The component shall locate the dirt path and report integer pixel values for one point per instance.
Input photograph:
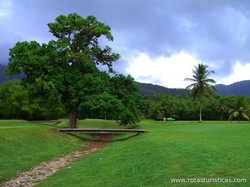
(45, 169)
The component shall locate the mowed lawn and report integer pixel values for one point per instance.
(170, 150)
(24, 144)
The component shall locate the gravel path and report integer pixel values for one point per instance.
(45, 169)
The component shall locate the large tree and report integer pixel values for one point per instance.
(202, 85)
(66, 67)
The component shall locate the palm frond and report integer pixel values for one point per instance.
(190, 79)
(189, 87)
(236, 114)
(245, 116)
(212, 81)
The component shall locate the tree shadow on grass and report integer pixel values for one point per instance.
(83, 137)
(115, 138)
(107, 137)
(120, 138)
(50, 123)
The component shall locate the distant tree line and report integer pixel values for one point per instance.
(16, 102)
(220, 107)
(115, 103)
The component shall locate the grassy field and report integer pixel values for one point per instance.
(169, 150)
(25, 144)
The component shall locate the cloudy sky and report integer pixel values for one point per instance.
(160, 41)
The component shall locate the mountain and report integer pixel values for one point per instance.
(147, 89)
(238, 88)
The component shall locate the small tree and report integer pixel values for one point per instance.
(221, 107)
(13, 100)
(240, 110)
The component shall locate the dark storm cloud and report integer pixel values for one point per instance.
(216, 32)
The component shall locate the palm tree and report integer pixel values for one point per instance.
(240, 110)
(221, 107)
(201, 86)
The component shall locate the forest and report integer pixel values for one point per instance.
(15, 104)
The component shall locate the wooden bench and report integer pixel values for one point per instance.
(102, 131)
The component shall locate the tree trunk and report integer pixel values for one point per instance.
(73, 117)
(200, 112)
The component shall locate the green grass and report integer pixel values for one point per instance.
(25, 144)
(169, 150)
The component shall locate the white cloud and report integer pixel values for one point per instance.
(240, 72)
(168, 71)
(5, 6)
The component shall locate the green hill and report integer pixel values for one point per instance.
(147, 89)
